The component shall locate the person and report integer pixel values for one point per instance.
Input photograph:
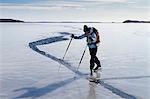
(93, 39)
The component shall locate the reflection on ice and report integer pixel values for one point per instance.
(92, 93)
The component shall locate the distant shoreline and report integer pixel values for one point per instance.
(10, 20)
(19, 21)
(135, 21)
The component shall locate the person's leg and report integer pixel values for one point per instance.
(91, 61)
(91, 65)
(96, 60)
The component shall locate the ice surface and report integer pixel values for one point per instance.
(30, 55)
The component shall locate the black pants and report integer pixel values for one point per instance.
(93, 59)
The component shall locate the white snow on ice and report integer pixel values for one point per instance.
(31, 53)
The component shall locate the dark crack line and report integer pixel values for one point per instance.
(116, 91)
(33, 45)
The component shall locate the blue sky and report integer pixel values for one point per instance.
(75, 10)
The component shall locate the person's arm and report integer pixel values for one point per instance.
(78, 37)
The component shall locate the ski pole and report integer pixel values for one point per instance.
(67, 48)
(81, 58)
(65, 52)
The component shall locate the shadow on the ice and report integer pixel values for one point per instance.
(33, 92)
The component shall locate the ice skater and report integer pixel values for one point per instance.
(93, 39)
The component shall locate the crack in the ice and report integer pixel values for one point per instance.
(35, 92)
(122, 78)
(116, 91)
(33, 46)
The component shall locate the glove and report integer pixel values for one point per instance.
(72, 35)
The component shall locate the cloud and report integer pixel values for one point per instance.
(108, 1)
(72, 4)
(41, 7)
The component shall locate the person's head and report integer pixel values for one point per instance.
(85, 28)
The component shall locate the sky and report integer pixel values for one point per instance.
(76, 10)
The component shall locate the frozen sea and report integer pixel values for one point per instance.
(31, 54)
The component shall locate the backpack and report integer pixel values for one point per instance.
(93, 30)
